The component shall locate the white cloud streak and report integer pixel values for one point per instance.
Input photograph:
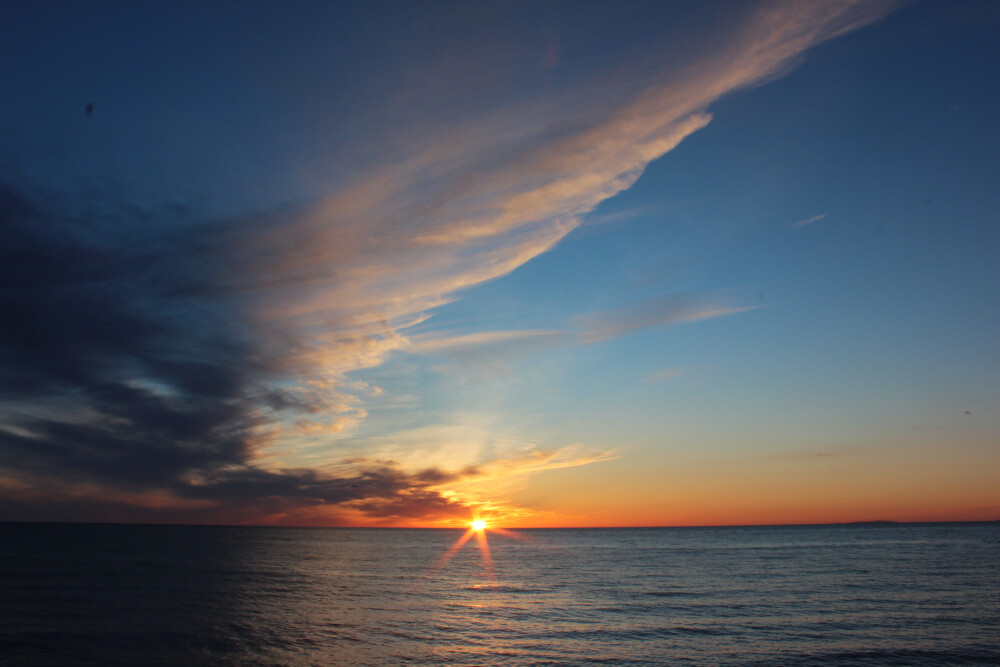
(808, 221)
(475, 341)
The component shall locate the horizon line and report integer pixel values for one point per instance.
(875, 522)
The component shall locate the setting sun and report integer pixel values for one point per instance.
(478, 524)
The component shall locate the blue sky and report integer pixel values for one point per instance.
(552, 263)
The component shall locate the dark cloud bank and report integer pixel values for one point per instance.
(127, 369)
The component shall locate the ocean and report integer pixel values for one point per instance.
(915, 594)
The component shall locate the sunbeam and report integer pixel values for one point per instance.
(478, 528)
(459, 543)
(484, 548)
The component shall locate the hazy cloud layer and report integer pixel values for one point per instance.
(149, 354)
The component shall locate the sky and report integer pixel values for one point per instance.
(544, 263)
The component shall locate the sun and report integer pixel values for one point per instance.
(477, 529)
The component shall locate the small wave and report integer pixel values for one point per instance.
(499, 588)
(628, 634)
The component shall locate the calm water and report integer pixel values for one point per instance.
(162, 595)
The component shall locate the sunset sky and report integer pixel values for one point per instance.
(551, 264)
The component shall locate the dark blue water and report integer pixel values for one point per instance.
(172, 595)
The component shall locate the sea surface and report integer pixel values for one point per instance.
(926, 594)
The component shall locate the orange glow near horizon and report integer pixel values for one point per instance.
(720, 514)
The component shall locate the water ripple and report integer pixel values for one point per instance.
(798, 596)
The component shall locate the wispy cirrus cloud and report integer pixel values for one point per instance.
(490, 351)
(808, 221)
(484, 354)
(657, 311)
(146, 353)
(439, 344)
